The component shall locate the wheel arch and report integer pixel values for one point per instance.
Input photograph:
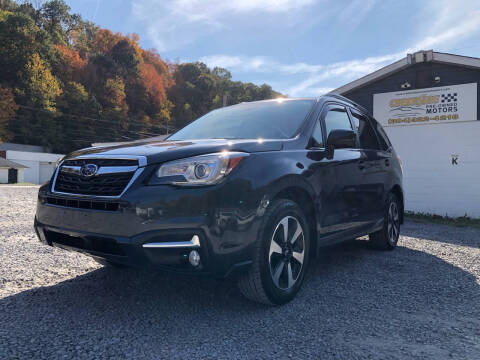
(306, 202)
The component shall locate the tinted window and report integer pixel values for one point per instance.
(382, 136)
(267, 120)
(366, 134)
(317, 136)
(337, 119)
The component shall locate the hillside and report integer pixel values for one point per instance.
(65, 82)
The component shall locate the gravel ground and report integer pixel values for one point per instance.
(419, 301)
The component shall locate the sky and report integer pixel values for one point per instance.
(299, 47)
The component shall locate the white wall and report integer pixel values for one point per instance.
(3, 176)
(35, 161)
(21, 175)
(432, 184)
(45, 171)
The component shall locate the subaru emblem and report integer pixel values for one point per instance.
(88, 170)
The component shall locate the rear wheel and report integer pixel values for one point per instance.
(281, 256)
(387, 237)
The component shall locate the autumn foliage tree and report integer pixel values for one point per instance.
(65, 83)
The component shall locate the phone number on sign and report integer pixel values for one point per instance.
(409, 120)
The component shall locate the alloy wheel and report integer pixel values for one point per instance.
(393, 224)
(286, 254)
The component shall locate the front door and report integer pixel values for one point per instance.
(340, 202)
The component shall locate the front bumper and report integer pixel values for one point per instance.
(224, 218)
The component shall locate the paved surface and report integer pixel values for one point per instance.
(421, 301)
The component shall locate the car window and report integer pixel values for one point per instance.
(337, 119)
(317, 136)
(366, 134)
(275, 119)
(382, 137)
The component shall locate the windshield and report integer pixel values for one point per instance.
(277, 119)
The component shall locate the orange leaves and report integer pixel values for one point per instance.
(153, 82)
(105, 40)
(72, 65)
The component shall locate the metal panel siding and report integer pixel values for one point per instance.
(449, 75)
(432, 183)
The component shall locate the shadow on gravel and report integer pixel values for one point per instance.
(355, 303)
(463, 236)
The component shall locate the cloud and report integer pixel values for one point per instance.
(449, 27)
(258, 64)
(175, 23)
(355, 12)
(316, 73)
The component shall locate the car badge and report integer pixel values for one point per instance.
(88, 170)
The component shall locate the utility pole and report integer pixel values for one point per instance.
(224, 100)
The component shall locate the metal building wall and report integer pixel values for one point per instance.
(434, 182)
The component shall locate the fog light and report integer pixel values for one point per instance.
(194, 258)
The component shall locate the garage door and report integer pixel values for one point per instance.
(46, 171)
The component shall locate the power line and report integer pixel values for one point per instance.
(138, 133)
(88, 132)
(88, 117)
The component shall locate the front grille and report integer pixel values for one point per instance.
(84, 204)
(101, 185)
(111, 179)
(88, 243)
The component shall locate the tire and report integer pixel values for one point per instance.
(268, 281)
(387, 237)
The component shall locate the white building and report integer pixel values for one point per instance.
(428, 104)
(11, 172)
(40, 166)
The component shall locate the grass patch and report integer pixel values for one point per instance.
(462, 221)
(21, 184)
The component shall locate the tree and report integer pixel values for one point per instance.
(56, 16)
(42, 88)
(17, 44)
(8, 109)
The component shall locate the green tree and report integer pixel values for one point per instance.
(8, 110)
(42, 88)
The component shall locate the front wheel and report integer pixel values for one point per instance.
(281, 255)
(387, 237)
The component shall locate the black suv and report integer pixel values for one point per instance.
(250, 192)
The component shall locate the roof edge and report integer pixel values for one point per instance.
(410, 59)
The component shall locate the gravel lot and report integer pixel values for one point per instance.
(420, 301)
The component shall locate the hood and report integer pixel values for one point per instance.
(160, 151)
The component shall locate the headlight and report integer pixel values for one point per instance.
(199, 170)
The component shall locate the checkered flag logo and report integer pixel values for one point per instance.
(448, 98)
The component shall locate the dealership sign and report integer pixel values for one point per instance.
(426, 106)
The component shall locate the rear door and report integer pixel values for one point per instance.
(372, 172)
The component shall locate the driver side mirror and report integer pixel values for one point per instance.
(340, 139)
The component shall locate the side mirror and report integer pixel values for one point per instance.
(338, 139)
